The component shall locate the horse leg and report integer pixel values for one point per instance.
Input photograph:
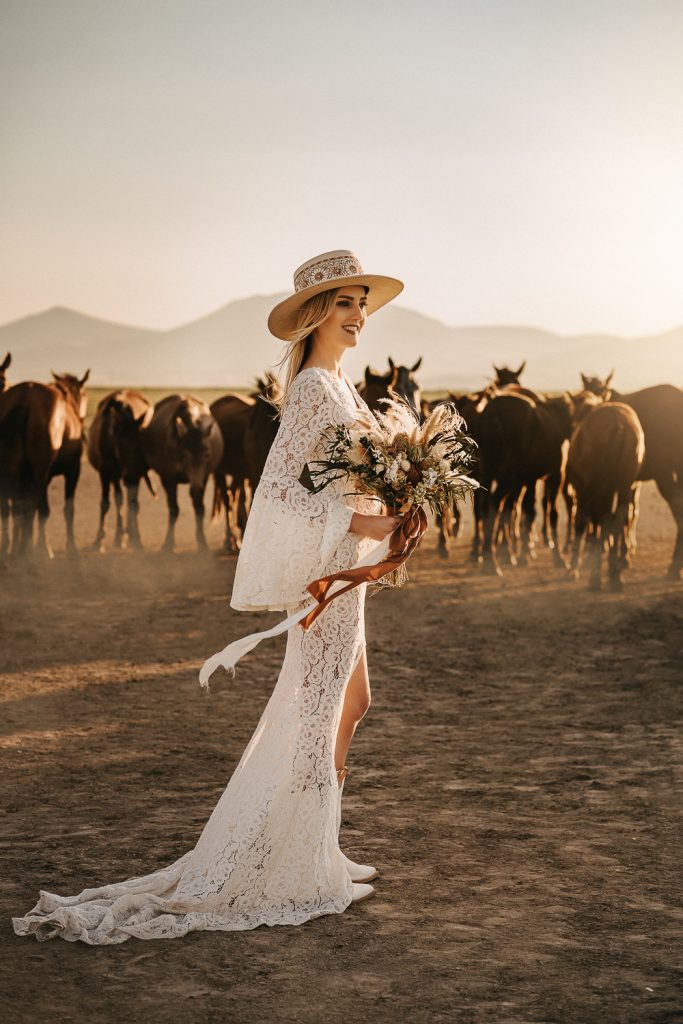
(618, 532)
(197, 495)
(505, 534)
(581, 524)
(491, 515)
(551, 493)
(671, 490)
(70, 483)
(132, 510)
(40, 505)
(594, 550)
(479, 510)
(443, 524)
(171, 488)
(569, 497)
(527, 516)
(118, 501)
(243, 506)
(4, 519)
(98, 544)
(630, 534)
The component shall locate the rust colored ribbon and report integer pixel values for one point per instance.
(402, 543)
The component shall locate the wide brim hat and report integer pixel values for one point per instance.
(320, 274)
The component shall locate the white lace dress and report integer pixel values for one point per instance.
(269, 852)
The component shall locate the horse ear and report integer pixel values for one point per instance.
(608, 381)
(55, 375)
(368, 374)
(7, 360)
(84, 377)
(391, 363)
(584, 380)
(415, 368)
(520, 371)
(569, 400)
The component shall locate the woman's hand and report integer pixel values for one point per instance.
(377, 527)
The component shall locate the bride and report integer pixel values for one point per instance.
(269, 853)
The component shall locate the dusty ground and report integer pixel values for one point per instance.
(514, 781)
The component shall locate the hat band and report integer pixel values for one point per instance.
(327, 270)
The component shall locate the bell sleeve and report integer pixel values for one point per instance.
(291, 534)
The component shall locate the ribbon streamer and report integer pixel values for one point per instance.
(383, 558)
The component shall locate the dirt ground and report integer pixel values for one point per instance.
(515, 782)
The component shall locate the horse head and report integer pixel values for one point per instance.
(73, 390)
(596, 386)
(505, 375)
(404, 384)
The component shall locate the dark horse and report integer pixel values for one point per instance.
(660, 411)
(183, 443)
(604, 462)
(115, 451)
(248, 425)
(41, 437)
(520, 442)
(397, 383)
(470, 407)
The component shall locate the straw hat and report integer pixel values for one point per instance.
(329, 270)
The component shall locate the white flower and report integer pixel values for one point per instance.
(405, 465)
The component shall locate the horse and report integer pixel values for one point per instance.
(605, 459)
(183, 443)
(115, 452)
(507, 382)
(520, 442)
(470, 407)
(506, 376)
(248, 426)
(399, 383)
(660, 411)
(41, 437)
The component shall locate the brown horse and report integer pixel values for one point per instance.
(115, 451)
(520, 443)
(41, 437)
(605, 459)
(183, 443)
(660, 411)
(397, 383)
(248, 426)
(505, 376)
(470, 407)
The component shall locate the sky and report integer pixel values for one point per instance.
(512, 161)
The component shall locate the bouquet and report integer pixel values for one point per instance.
(399, 461)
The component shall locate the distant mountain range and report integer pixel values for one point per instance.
(229, 347)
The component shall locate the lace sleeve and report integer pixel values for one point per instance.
(291, 534)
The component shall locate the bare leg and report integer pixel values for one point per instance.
(356, 703)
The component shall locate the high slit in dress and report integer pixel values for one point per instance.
(269, 853)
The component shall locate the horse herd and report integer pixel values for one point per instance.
(590, 448)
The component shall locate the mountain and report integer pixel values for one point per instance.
(229, 347)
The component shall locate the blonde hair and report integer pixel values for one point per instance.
(313, 313)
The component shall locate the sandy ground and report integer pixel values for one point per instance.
(514, 781)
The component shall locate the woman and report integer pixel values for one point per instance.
(269, 853)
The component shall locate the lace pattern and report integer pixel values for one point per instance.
(269, 852)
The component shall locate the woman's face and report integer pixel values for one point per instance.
(346, 318)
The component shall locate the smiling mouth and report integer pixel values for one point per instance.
(351, 330)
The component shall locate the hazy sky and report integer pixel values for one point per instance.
(513, 161)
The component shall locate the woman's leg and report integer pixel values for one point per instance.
(356, 703)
